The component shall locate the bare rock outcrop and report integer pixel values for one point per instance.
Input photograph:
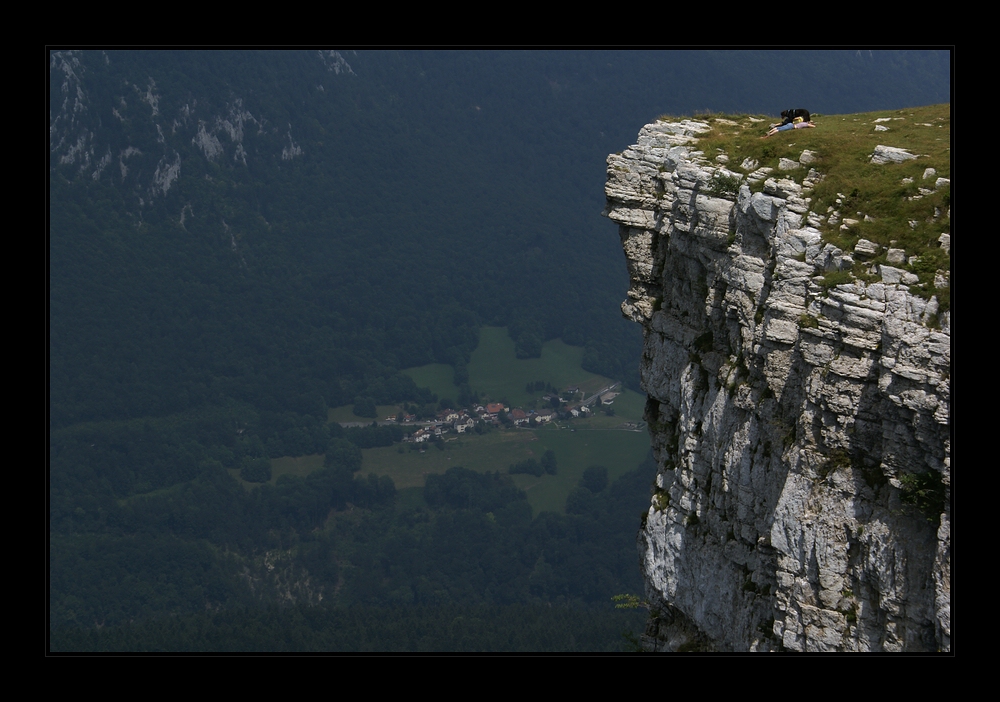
(802, 431)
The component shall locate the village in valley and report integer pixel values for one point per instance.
(500, 418)
(571, 403)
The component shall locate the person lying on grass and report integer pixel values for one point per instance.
(786, 127)
(797, 115)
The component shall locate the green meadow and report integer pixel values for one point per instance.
(436, 376)
(345, 413)
(496, 372)
(618, 451)
(300, 466)
(575, 450)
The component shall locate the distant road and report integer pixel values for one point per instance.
(383, 423)
(587, 402)
(613, 386)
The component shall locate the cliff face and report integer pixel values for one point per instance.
(802, 432)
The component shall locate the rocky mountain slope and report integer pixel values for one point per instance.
(801, 424)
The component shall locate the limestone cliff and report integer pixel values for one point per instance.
(802, 431)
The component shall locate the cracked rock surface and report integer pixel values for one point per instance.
(802, 434)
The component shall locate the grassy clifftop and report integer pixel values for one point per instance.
(892, 205)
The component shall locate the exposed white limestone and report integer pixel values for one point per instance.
(208, 143)
(866, 249)
(151, 98)
(895, 256)
(808, 157)
(102, 164)
(123, 155)
(794, 425)
(334, 62)
(74, 119)
(65, 114)
(890, 154)
(166, 173)
(292, 150)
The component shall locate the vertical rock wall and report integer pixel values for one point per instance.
(802, 435)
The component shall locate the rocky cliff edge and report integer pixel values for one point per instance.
(802, 430)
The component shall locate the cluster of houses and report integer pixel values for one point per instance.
(461, 421)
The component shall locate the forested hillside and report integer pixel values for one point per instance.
(320, 230)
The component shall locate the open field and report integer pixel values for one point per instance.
(496, 371)
(490, 452)
(299, 465)
(286, 465)
(436, 376)
(619, 451)
(628, 407)
(345, 413)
